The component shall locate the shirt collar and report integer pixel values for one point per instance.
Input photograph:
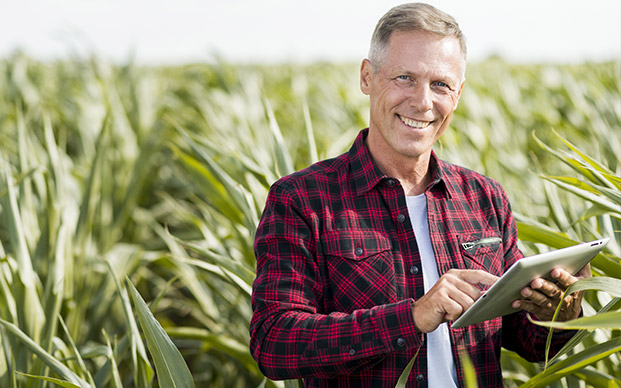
(366, 174)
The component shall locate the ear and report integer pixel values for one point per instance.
(366, 75)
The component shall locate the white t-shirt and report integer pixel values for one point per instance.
(440, 364)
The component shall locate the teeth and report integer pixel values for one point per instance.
(414, 123)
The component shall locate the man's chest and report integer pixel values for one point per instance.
(369, 255)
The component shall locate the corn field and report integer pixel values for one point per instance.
(129, 197)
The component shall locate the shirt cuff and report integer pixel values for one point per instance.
(397, 323)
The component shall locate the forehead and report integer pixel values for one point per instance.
(416, 51)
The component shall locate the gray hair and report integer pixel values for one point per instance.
(412, 17)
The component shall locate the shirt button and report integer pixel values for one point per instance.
(420, 378)
(413, 270)
(352, 352)
(400, 342)
(400, 218)
(359, 251)
(390, 182)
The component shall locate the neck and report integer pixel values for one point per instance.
(413, 180)
(412, 172)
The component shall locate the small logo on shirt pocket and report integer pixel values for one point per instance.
(482, 250)
(470, 246)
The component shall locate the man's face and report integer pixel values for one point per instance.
(413, 95)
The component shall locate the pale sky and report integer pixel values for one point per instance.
(181, 31)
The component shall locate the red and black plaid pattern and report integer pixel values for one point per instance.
(338, 269)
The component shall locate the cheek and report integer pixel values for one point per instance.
(446, 105)
(391, 97)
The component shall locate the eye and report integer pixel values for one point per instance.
(404, 80)
(442, 86)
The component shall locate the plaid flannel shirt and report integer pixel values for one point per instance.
(338, 269)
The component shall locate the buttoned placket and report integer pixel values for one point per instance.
(407, 260)
(411, 280)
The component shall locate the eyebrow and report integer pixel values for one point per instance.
(454, 82)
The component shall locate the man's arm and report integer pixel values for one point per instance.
(291, 334)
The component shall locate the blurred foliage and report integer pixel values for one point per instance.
(160, 174)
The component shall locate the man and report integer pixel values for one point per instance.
(361, 259)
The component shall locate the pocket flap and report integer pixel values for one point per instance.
(354, 244)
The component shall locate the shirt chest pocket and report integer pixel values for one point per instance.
(360, 269)
(482, 250)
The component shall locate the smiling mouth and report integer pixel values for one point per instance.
(414, 123)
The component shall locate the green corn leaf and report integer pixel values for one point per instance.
(141, 171)
(116, 377)
(59, 382)
(405, 375)
(76, 353)
(588, 195)
(233, 266)
(582, 334)
(597, 378)
(31, 312)
(609, 320)
(221, 271)
(470, 374)
(9, 361)
(55, 365)
(215, 188)
(577, 183)
(574, 363)
(87, 204)
(541, 234)
(594, 163)
(224, 343)
(602, 283)
(284, 162)
(609, 285)
(143, 373)
(533, 232)
(294, 384)
(171, 369)
(569, 160)
(310, 134)
(56, 288)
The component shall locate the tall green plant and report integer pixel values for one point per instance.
(160, 175)
(599, 189)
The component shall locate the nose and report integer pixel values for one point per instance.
(421, 97)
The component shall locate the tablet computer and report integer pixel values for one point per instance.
(496, 301)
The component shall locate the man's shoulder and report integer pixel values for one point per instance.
(464, 179)
(332, 169)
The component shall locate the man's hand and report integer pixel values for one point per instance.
(543, 296)
(452, 294)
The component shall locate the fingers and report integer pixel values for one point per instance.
(476, 277)
(564, 278)
(545, 289)
(543, 296)
(452, 294)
